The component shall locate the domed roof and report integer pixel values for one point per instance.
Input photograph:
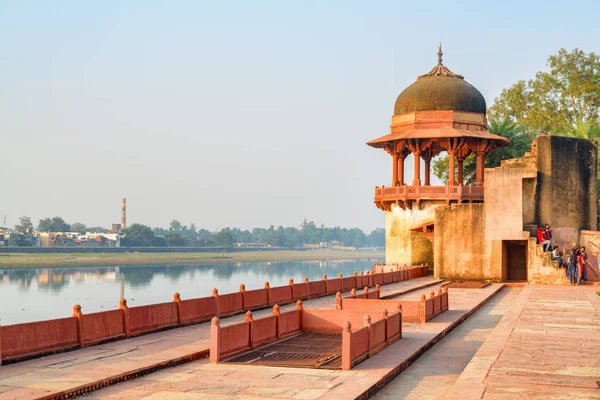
(440, 89)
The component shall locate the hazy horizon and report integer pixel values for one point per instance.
(239, 114)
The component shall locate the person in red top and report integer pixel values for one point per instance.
(541, 238)
(580, 263)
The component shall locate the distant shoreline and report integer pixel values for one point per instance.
(23, 260)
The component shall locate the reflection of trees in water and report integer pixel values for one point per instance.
(56, 279)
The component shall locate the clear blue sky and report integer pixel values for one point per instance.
(245, 113)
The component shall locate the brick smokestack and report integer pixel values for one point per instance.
(123, 213)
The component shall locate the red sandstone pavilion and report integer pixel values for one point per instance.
(440, 112)
(451, 227)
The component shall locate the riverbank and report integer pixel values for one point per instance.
(88, 259)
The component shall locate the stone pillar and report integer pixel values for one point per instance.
(417, 179)
(451, 180)
(400, 169)
(395, 169)
(480, 168)
(459, 162)
(427, 171)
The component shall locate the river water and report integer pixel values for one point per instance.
(33, 294)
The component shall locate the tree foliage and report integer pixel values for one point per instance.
(24, 225)
(565, 100)
(224, 238)
(137, 235)
(78, 227)
(56, 224)
(562, 101)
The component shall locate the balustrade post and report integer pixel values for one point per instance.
(423, 309)
(301, 312)
(347, 346)
(79, 319)
(355, 276)
(215, 295)
(341, 278)
(277, 314)
(307, 287)
(291, 285)
(399, 308)
(268, 289)
(384, 315)
(125, 309)
(367, 323)
(378, 289)
(338, 301)
(243, 292)
(177, 301)
(326, 285)
(215, 340)
(251, 321)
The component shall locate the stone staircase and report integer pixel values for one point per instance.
(559, 275)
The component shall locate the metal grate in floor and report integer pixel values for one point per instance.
(307, 350)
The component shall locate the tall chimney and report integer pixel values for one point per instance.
(123, 213)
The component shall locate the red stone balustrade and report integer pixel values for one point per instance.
(370, 336)
(33, 339)
(422, 310)
(386, 196)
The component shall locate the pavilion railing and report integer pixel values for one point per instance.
(459, 193)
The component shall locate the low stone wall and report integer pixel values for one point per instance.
(370, 335)
(33, 339)
(422, 310)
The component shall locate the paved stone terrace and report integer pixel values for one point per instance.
(546, 346)
(434, 373)
(202, 380)
(55, 374)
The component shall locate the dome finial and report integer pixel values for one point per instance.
(440, 70)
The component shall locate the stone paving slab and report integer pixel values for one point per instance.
(434, 373)
(50, 376)
(202, 380)
(546, 346)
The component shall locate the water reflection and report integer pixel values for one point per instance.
(29, 294)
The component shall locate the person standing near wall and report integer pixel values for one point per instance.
(572, 272)
(584, 257)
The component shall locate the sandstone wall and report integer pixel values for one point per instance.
(404, 246)
(567, 186)
(461, 251)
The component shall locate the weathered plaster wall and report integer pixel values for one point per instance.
(503, 188)
(461, 251)
(567, 186)
(402, 245)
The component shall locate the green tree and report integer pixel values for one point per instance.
(56, 224)
(137, 235)
(24, 225)
(174, 239)
(520, 143)
(78, 227)
(175, 225)
(224, 238)
(565, 100)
